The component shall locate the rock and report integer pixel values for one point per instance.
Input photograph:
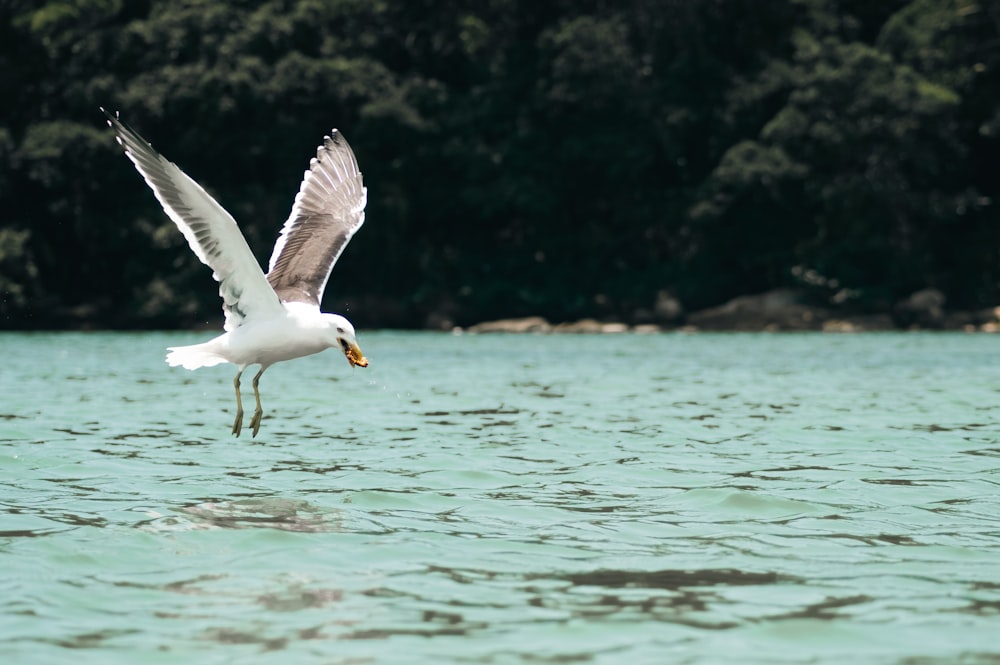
(922, 309)
(537, 324)
(583, 326)
(590, 327)
(859, 323)
(772, 311)
(840, 326)
(971, 320)
(528, 324)
(613, 328)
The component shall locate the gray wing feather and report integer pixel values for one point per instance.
(328, 210)
(211, 232)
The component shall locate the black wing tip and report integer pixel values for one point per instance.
(334, 137)
(124, 134)
(111, 119)
(335, 142)
(115, 122)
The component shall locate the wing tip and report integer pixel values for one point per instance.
(336, 138)
(126, 137)
(111, 119)
(336, 146)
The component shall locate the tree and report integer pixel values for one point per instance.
(569, 158)
(854, 178)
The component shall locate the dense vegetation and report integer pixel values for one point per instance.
(559, 157)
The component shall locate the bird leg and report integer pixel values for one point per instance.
(238, 423)
(255, 421)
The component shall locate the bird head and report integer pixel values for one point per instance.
(343, 335)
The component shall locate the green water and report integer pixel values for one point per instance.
(505, 499)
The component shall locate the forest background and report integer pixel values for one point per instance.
(567, 158)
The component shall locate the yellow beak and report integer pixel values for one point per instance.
(355, 357)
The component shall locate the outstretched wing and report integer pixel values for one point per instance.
(328, 210)
(211, 232)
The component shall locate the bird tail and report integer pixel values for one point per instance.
(194, 356)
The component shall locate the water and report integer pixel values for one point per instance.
(505, 499)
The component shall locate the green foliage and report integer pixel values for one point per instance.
(859, 176)
(563, 158)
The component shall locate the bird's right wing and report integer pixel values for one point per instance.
(211, 232)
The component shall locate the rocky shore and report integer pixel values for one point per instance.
(780, 310)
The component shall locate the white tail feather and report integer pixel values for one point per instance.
(195, 356)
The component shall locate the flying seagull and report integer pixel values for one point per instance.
(272, 317)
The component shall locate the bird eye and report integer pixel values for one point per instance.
(339, 329)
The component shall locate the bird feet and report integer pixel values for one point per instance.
(255, 421)
(238, 423)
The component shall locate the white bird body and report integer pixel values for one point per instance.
(302, 331)
(274, 317)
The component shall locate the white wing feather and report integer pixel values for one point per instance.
(211, 232)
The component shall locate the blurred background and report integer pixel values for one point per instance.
(629, 160)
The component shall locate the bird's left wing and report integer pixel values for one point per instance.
(328, 209)
(211, 232)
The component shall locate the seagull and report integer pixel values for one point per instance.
(274, 317)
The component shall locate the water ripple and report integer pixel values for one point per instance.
(788, 498)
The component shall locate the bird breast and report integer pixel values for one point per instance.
(275, 340)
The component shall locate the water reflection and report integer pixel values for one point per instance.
(266, 512)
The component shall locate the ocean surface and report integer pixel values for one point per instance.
(671, 498)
